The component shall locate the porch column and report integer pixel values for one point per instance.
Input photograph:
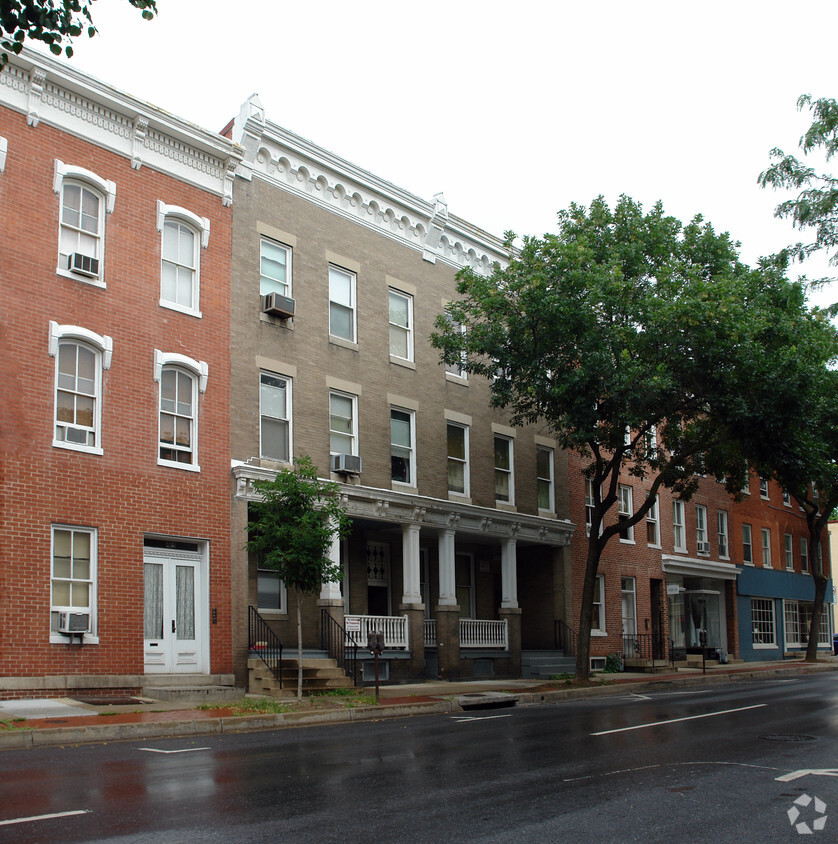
(330, 596)
(509, 609)
(447, 612)
(411, 604)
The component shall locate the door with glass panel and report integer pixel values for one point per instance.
(172, 616)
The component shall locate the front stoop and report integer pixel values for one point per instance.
(191, 687)
(319, 675)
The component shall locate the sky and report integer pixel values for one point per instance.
(512, 110)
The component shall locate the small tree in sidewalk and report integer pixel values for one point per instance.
(292, 528)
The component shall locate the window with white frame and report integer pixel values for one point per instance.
(183, 235)
(73, 576)
(625, 510)
(766, 547)
(679, 535)
(804, 554)
(653, 534)
(598, 616)
(724, 550)
(342, 304)
(457, 369)
(747, 545)
(544, 477)
(274, 268)
(789, 549)
(589, 505)
(402, 448)
(458, 468)
(786, 498)
(343, 423)
(181, 379)
(85, 199)
(763, 486)
(798, 622)
(702, 543)
(464, 583)
(270, 592)
(504, 480)
(275, 416)
(401, 325)
(762, 623)
(80, 357)
(650, 442)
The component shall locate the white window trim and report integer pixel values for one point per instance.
(354, 434)
(201, 225)
(804, 553)
(4, 148)
(551, 506)
(466, 493)
(788, 551)
(723, 517)
(600, 631)
(408, 329)
(679, 508)
(701, 528)
(773, 643)
(764, 495)
(273, 612)
(289, 252)
(750, 544)
(629, 540)
(200, 370)
(107, 190)
(765, 533)
(88, 638)
(654, 517)
(412, 417)
(510, 472)
(104, 347)
(353, 292)
(289, 387)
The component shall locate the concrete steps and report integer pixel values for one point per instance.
(540, 665)
(319, 674)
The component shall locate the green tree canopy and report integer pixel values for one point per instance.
(641, 344)
(52, 22)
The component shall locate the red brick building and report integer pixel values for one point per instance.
(114, 348)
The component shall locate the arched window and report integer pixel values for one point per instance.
(181, 379)
(183, 236)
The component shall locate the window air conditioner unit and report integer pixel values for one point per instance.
(346, 464)
(278, 305)
(84, 264)
(703, 547)
(74, 622)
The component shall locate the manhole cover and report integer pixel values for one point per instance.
(787, 738)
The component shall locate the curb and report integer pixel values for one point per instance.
(88, 734)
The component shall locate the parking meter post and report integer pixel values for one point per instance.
(375, 643)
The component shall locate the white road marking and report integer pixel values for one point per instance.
(676, 720)
(45, 817)
(185, 750)
(462, 719)
(637, 696)
(668, 765)
(815, 772)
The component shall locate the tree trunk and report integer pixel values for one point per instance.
(299, 645)
(583, 651)
(820, 592)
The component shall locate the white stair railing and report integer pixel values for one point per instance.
(430, 632)
(394, 628)
(484, 633)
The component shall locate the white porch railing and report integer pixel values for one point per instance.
(394, 628)
(481, 633)
(430, 632)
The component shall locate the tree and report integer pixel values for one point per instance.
(292, 528)
(815, 207)
(53, 22)
(624, 328)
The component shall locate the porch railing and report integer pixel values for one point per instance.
(340, 645)
(430, 632)
(264, 643)
(484, 633)
(394, 628)
(565, 637)
(649, 647)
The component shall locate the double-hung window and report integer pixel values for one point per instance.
(458, 468)
(85, 198)
(342, 304)
(274, 268)
(73, 577)
(343, 423)
(598, 616)
(457, 369)
(544, 477)
(762, 623)
(766, 547)
(763, 486)
(723, 543)
(702, 546)
(747, 545)
(183, 234)
(678, 534)
(181, 379)
(804, 554)
(789, 549)
(589, 505)
(402, 450)
(653, 535)
(401, 325)
(504, 462)
(625, 510)
(275, 416)
(80, 356)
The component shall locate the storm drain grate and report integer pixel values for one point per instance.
(782, 737)
(111, 701)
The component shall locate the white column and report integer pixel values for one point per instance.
(509, 574)
(331, 591)
(447, 572)
(410, 564)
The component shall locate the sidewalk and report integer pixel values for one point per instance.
(42, 722)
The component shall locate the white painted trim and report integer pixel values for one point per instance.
(200, 224)
(102, 342)
(197, 367)
(69, 171)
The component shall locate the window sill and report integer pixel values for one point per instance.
(546, 514)
(653, 545)
(84, 449)
(407, 364)
(66, 639)
(402, 487)
(763, 647)
(506, 507)
(456, 379)
(278, 614)
(627, 542)
(186, 467)
(93, 282)
(460, 497)
(171, 306)
(677, 550)
(345, 344)
(598, 633)
(283, 322)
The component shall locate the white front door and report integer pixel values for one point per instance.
(173, 618)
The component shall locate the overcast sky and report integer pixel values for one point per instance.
(512, 110)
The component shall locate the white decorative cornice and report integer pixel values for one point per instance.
(50, 92)
(432, 513)
(294, 164)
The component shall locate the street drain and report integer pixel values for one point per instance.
(787, 738)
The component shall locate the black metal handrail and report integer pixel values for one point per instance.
(565, 637)
(333, 639)
(263, 642)
(646, 646)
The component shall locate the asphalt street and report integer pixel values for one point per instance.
(752, 761)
